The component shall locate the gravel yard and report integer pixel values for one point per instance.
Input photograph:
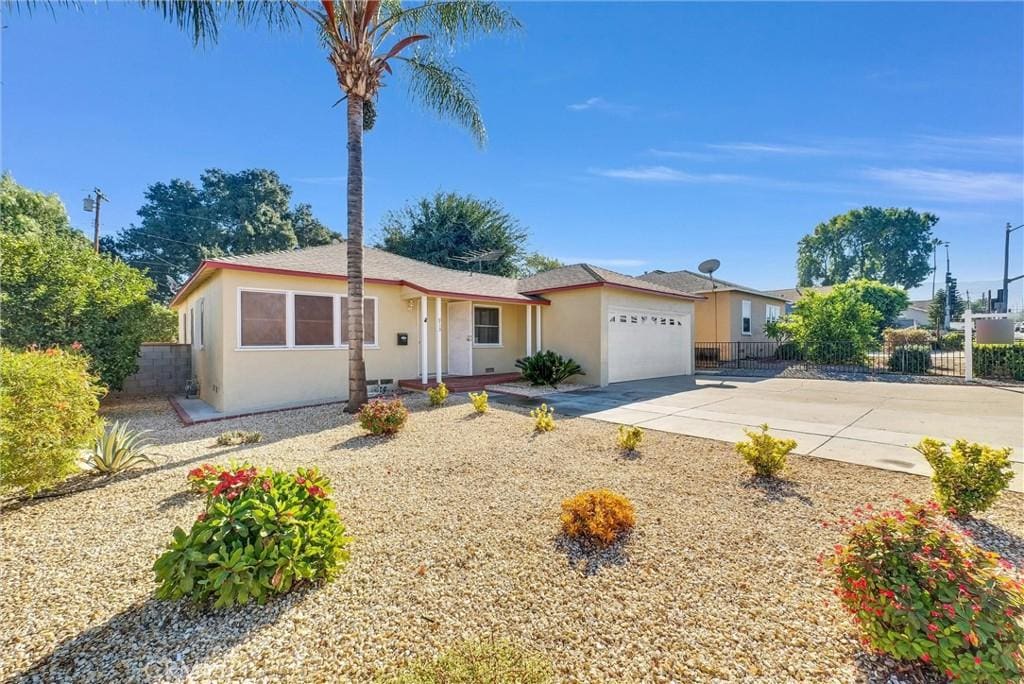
(456, 528)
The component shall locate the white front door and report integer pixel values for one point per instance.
(648, 344)
(460, 338)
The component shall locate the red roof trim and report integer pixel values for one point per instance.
(581, 286)
(211, 265)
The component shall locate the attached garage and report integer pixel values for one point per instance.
(648, 343)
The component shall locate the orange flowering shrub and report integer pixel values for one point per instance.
(383, 417)
(597, 515)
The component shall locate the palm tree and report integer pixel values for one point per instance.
(363, 39)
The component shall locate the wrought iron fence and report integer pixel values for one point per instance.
(831, 356)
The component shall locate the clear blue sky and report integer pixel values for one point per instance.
(634, 136)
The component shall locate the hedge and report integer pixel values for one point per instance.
(999, 361)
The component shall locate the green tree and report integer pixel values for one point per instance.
(229, 213)
(937, 309)
(887, 300)
(441, 228)
(364, 40)
(838, 327)
(892, 246)
(536, 262)
(55, 290)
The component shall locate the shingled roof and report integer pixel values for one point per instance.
(378, 265)
(688, 281)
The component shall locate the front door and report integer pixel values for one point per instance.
(460, 338)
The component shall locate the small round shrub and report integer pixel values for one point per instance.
(438, 395)
(543, 418)
(236, 437)
(920, 591)
(495, 662)
(479, 400)
(914, 358)
(630, 437)
(383, 417)
(969, 477)
(261, 534)
(49, 403)
(599, 516)
(764, 453)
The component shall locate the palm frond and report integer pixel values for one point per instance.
(202, 18)
(446, 90)
(450, 21)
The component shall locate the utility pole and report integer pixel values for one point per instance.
(1004, 302)
(92, 203)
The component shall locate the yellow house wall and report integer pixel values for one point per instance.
(730, 312)
(207, 362)
(573, 326)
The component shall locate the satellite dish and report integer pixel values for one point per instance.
(709, 266)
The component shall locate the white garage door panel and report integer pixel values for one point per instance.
(647, 344)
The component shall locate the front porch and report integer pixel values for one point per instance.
(461, 383)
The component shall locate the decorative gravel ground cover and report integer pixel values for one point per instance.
(456, 528)
(525, 389)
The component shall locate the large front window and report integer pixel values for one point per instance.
(487, 325)
(292, 320)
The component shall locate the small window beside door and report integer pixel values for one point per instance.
(745, 317)
(487, 325)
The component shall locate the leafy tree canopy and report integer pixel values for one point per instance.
(937, 309)
(888, 301)
(838, 327)
(55, 290)
(437, 229)
(229, 213)
(893, 246)
(536, 262)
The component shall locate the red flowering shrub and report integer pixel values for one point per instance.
(207, 477)
(919, 590)
(261, 534)
(383, 417)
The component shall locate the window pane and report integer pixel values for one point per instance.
(314, 320)
(263, 319)
(486, 316)
(485, 335)
(485, 328)
(369, 321)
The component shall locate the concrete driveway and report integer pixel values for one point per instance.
(866, 422)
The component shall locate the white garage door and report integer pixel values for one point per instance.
(647, 344)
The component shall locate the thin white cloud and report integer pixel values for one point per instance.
(770, 148)
(948, 184)
(600, 104)
(602, 261)
(665, 174)
(681, 154)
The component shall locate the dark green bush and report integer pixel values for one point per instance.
(951, 341)
(260, 535)
(913, 358)
(548, 368)
(48, 410)
(999, 361)
(789, 351)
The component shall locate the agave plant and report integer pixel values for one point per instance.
(117, 449)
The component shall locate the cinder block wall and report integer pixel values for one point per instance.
(164, 368)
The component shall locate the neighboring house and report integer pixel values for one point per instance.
(730, 312)
(268, 330)
(914, 316)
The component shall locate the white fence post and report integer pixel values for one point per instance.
(968, 346)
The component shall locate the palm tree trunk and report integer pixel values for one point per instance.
(356, 366)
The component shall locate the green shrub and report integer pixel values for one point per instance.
(479, 400)
(118, 448)
(383, 417)
(951, 341)
(969, 477)
(438, 395)
(548, 368)
(205, 478)
(496, 662)
(543, 418)
(910, 359)
(999, 361)
(48, 411)
(920, 591)
(764, 453)
(901, 337)
(236, 437)
(261, 534)
(835, 328)
(630, 437)
(789, 351)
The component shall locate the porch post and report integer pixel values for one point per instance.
(424, 377)
(529, 330)
(540, 313)
(437, 336)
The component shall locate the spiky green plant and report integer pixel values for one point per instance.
(118, 448)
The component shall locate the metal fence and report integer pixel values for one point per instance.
(830, 357)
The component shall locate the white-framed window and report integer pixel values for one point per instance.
(200, 332)
(772, 312)
(191, 325)
(745, 317)
(290, 319)
(487, 326)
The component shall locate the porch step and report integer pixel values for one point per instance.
(462, 383)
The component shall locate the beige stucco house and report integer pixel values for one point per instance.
(267, 329)
(729, 312)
